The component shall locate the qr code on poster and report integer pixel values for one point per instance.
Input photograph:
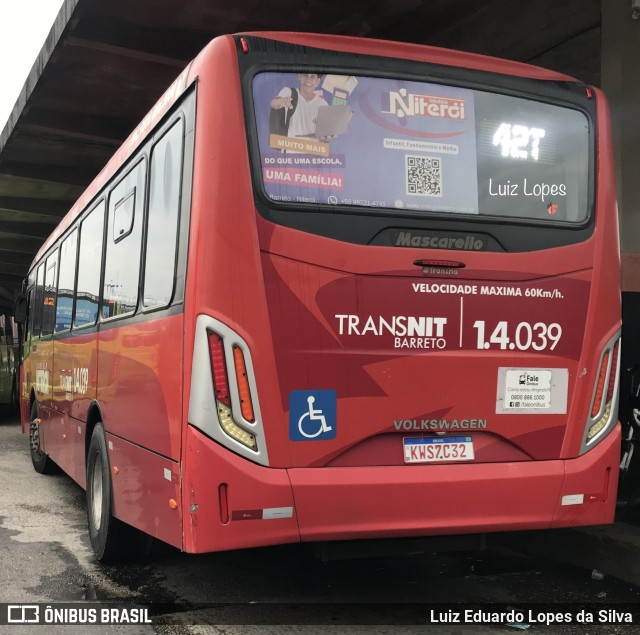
(424, 175)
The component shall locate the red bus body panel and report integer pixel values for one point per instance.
(140, 371)
(144, 484)
(345, 488)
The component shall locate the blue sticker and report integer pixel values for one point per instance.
(312, 415)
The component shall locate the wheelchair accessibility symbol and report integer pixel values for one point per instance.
(312, 415)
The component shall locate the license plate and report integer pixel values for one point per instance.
(438, 449)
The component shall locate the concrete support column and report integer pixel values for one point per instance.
(621, 82)
(620, 59)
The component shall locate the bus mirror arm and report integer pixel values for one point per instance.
(20, 310)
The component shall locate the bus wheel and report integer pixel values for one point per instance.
(41, 461)
(111, 539)
(104, 528)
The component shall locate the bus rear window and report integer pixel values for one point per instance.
(342, 140)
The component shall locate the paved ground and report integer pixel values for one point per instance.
(613, 550)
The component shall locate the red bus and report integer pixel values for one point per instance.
(333, 288)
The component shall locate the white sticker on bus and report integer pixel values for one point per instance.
(66, 385)
(80, 380)
(532, 390)
(528, 389)
(42, 381)
(270, 513)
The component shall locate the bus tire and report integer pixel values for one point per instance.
(105, 530)
(40, 459)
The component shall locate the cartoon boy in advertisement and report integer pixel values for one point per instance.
(366, 141)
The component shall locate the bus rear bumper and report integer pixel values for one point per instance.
(231, 503)
(341, 503)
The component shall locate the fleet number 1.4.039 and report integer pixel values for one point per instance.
(525, 336)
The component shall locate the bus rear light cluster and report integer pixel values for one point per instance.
(224, 399)
(604, 403)
(223, 394)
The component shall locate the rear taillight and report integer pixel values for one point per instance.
(244, 390)
(602, 378)
(613, 375)
(223, 393)
(219, 369)
(604, 403)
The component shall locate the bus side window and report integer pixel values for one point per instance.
(89, 265)
(124, 240)
(162, 223)
(50, 289)
(66, 282)
(39, 298)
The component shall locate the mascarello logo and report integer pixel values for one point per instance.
(434, 240)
